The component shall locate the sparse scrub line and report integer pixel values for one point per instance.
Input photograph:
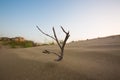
(17, 42)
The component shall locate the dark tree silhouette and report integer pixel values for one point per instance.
(61, 45)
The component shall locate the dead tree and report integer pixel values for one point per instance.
(61, 45)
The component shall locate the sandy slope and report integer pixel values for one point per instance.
(85, 62)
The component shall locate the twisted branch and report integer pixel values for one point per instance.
(61, 46)
(45, 33)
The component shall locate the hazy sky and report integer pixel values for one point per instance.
(83, 18)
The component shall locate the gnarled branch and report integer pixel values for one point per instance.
(56, 38)
(45, 33)
(61, 46)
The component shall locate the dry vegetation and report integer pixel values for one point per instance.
(96, 59)
(17, 42)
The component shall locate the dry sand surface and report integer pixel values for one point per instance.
(97, 59)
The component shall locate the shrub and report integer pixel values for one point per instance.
(51, 43)
(28, 44)
(15, 44)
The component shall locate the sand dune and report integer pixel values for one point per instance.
(96, 59)
(110, 41)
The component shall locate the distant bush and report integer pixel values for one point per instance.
(51, 43)
(5, 42)
(44, 44)
(16, 44)
(28, 44)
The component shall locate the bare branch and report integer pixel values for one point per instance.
(48, 52)
(45, 33)
(63, 30)
(65, 40)
(56, 38)
(67, 36)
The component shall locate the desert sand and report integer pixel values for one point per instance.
(96, 59)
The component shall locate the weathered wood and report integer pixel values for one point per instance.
(45, 33)
(61, 46)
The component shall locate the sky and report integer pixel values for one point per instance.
(85, 19)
